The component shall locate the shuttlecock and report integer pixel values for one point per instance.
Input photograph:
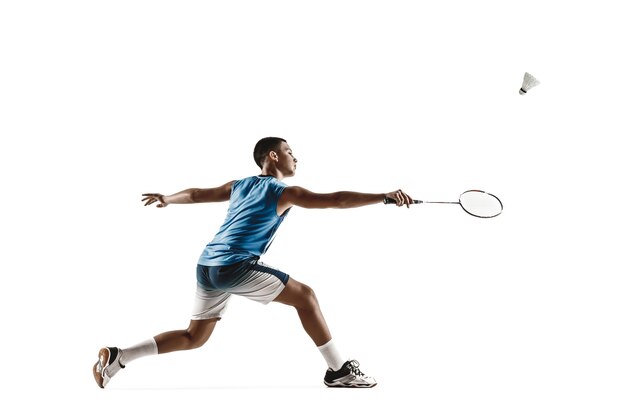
(529, 82)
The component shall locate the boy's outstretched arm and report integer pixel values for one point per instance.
(190, 196)
(298, 196)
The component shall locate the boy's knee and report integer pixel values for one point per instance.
(197, 335)
(308, 295)
(195, 340)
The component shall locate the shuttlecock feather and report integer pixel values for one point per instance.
(529, 82)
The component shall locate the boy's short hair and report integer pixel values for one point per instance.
(263, 148)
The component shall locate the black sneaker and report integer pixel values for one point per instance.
(349, 376)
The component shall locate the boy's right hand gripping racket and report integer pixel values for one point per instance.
(475, 202)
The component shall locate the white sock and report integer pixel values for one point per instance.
(145, 348)
(331, 354)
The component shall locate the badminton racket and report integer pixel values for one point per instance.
(474, 202)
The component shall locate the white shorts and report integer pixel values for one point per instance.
(250, 278)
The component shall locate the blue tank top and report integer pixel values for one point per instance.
(251, 222)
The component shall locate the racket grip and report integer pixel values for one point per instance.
(388, 200)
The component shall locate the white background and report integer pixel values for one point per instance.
(519, 315)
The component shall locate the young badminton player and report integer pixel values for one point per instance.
(230, 264)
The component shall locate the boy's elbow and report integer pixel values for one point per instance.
(341, 201)
(194, 195)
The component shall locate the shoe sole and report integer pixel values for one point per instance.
(341, 385)
(98, 367)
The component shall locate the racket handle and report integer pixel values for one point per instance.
(388, 200)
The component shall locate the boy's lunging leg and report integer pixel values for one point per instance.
(340, 373)
(303, 298)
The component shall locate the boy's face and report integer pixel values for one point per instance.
(286, 161)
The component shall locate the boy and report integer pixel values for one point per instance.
(230, 263)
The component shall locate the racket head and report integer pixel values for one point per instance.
(480, 204)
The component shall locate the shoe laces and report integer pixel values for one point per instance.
(353, 365)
